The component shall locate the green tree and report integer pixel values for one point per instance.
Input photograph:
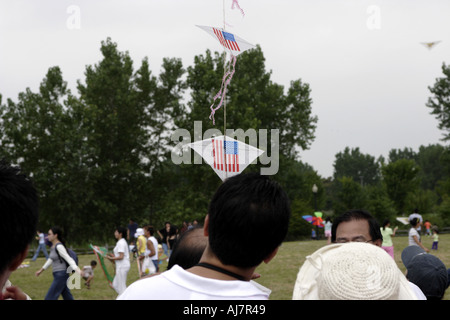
(379, 204)
(439, 102)
(362, 168)
(42, 133)
(126, 129)
(400, 178)
(432, 170)
(348, 195)
(405, 153)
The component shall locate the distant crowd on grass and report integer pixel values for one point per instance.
(247, 221)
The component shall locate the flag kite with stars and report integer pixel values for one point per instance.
(226, 156)
(228, 40)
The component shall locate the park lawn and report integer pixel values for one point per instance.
(278, 275)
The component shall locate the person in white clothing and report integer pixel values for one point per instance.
(153, 255)
(121, 258)
(414, 235)
(247, 221)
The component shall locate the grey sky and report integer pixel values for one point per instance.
(368, 72)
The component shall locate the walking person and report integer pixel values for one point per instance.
(60, 260)
(387, 234)
(41, 237)
(121, 259)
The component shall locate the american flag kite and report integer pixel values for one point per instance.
(226, 156)
(228, 40)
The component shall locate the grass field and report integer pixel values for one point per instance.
(279, 275)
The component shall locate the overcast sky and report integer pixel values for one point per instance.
(368, 72)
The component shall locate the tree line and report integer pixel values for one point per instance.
(103, 154)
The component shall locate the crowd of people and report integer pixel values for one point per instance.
(247, 221)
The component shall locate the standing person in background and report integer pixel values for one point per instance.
(387, 234)
(414, 236)
(121, 258)
(416, 214)
(132, 227)
(427, 226)
(168, 235)
(152, 246)
(328, 225)
(41, 246)
(434, 246)
(59, 259)
(141, 246)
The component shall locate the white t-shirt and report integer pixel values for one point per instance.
(155, 246)
(179, 284)
(41, 238)
(122, 246)
(413, 232)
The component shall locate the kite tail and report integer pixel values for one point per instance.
(223, 88)
(236, 3)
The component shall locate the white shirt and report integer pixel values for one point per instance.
(179, 284)
(122, 246)
(155, 246)
(413, 232)
(41, 238)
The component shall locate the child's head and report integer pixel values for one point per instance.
(93, 264)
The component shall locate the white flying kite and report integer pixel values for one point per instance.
(430, 45)
(228, 40)
(226, 156)
(235, 46)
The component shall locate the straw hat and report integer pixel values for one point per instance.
(351, 271)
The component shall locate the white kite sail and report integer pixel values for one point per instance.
(226, 156)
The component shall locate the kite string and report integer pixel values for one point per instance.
(228, 75)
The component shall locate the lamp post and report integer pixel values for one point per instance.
(314, 190)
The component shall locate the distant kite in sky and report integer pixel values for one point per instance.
(430, 45)
(226, 156)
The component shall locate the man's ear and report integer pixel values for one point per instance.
(18, 259)
(206, 226)
(271, 256)
(378, 242)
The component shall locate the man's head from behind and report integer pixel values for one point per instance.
(248, 219)
(18, 214)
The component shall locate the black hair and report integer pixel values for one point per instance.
(58, 230)
(19, 213)
(151, 230)
(122, 231)
(248, 219)
(385, 223)
(414, 222)
(188, 249)
(358, 214)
